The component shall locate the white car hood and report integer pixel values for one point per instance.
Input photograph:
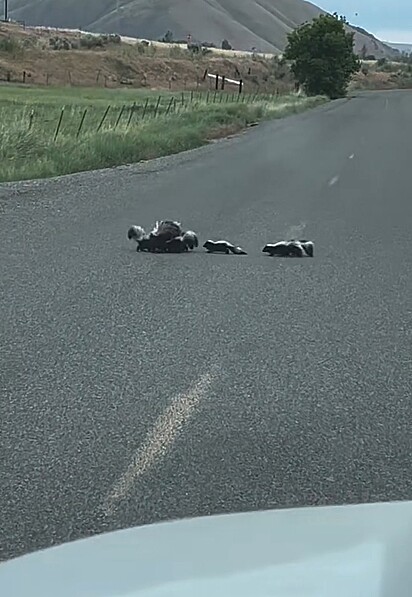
(343, 551)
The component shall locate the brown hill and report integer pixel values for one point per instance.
(262, 24)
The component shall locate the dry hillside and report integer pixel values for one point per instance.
(49, 57)
(263, 24)
(34, 52)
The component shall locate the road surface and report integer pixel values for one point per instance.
(137, 388)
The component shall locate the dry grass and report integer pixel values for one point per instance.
(137, 66)
(383, 75)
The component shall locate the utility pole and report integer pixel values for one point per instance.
(6, 10)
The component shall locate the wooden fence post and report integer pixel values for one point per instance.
(103, 119)
(119, 117)
(59, 124)
(157, 106)
(145, 108)
(132, 109)
(81, 123)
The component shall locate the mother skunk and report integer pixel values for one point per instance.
(167, 236)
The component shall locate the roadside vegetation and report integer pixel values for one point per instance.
(87, 102)
(48, 132)
(384, 74)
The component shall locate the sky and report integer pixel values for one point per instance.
(389, 20)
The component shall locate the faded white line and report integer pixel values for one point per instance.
(333, 181)
(159, 439)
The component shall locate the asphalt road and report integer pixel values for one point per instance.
(137, 388)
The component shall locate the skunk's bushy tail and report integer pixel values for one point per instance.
(167, 228)
(237, 250)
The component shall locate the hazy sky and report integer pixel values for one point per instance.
(389, 20)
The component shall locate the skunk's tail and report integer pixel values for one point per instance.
(167, 228)
(136, 233)
(190, 239)
(237, 250)
(308, 246)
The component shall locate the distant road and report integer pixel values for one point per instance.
(136, 388)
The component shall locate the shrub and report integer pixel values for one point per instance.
(322, 56)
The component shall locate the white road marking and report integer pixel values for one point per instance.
(159, 439)
(333, 181)
(352, 155)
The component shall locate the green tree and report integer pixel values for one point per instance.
(322, 56)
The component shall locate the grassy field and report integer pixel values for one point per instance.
(50, 131)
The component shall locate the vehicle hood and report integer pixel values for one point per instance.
(344, 551)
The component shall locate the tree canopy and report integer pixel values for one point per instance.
(322, 56)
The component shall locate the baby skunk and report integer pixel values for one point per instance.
(291, 248)
(223, 246)
(190, 239)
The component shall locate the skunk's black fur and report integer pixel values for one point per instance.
(290, 248)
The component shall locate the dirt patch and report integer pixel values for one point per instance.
(224, 132)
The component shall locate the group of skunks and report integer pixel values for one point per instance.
(168, 236)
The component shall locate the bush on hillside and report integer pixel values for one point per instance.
(60, 43)
(99, 41)
(10, 45)
(322, 56)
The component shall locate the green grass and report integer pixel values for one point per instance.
(157, 125)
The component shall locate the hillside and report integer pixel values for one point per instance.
(78, 60)
(262, 24)
(405, 48)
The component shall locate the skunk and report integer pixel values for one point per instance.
(190, 239)
(180, 244)
(291, 248)
(167, 236)
(223, 246)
